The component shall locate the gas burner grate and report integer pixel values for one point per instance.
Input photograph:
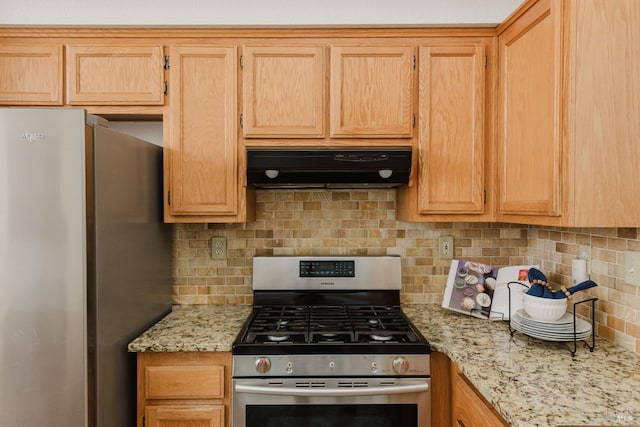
(329, 325)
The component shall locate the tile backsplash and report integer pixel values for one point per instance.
(362, 222)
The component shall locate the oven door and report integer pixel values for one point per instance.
(335, 402)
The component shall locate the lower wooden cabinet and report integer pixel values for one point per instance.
(468, 408)
(454, 401)
(190, 389)
(183, 416)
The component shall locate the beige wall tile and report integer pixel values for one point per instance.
(362, 222)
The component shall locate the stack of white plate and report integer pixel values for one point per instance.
(557, 330)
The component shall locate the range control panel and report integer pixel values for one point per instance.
(327, 268)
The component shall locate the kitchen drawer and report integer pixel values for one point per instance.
(184, 382)
(469, 408)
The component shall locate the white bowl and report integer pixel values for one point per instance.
(544, 309)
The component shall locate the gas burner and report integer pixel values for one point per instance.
(278, 338)
(381, 337)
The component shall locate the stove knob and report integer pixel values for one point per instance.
(263, 364)
(400, 365)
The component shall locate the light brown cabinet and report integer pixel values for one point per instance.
(31, 74)
(454, 400)
(452, 173)
(530, 144)
(184, 389)
(105, 74)
(568, 125)
(468, 408)
(283, 91)
(204, 172)
(371, 91)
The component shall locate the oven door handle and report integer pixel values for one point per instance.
(322, 391)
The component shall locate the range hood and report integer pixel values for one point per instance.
(289, 168)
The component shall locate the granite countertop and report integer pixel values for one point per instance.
(194, 328)
(530, 382)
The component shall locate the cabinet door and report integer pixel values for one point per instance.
(468, 408)
(184, 416)
(203, 142)
(115, 75)
(529, 115)
(451, 129)
(30, 75)
(371, 91)
(283, 91)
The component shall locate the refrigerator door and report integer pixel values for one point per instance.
(130, 262)
(42, 268)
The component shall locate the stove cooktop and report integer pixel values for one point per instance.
(321, 329)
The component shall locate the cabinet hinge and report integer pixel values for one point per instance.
(484, 197)
(166, 62)
(241, 62)
(486, 62)
(414, 62)
(165, 89)
(241, 121)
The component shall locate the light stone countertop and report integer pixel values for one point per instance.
(531, 383)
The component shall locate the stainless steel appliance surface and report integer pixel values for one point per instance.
(84, 267)
(327, 344)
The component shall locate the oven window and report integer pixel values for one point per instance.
(388, 415)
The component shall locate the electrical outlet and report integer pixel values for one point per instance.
(584, 252)
(445, 247)
(218, 248)
(632, 268)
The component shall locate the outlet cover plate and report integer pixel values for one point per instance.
(218, 248)
(632, 268)
(445, 247)
(584, 252)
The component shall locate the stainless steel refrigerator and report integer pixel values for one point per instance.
(84, 267)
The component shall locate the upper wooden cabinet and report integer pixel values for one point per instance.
(568, 114)
(529, 133)
(202, 159)
(371, 91)
(283, 91)
(114, 75)
(453, 171)
(31, 74)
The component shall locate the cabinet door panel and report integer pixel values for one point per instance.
(371, 91)
(184, 416)
(203, 131)
(530, 148)
(284, 91)
(30, 75)
(115, 75)
(469, 409)
(451, 135)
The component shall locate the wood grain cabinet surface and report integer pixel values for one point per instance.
(468, 408)
(184, 389)
(31, 74)
(204, 173)
(283, 91)
(371, 91)
(114, 75)
(568, 127)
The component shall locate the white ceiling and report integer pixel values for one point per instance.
(255, 12)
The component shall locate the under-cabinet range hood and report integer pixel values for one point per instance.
(288, 168)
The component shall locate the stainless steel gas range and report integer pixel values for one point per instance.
(328, 345)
